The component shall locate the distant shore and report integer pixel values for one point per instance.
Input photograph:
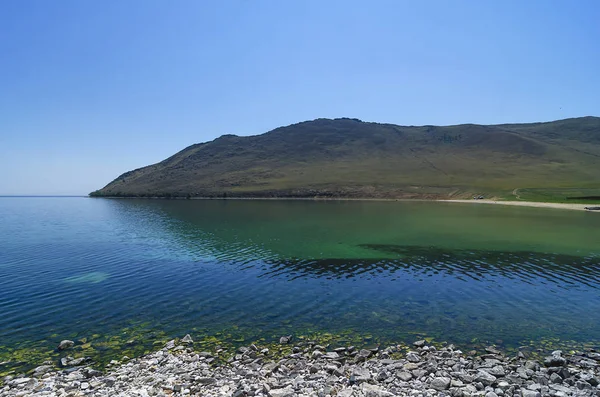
(563, 206)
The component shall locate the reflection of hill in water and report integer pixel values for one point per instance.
(240, 233)
(564, 271)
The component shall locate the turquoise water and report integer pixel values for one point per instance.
(105, 269)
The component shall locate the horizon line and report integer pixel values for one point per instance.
(43, 195)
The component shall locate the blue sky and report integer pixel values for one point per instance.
(91, 89)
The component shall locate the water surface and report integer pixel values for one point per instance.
(100, 268)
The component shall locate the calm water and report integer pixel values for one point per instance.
(109, 269)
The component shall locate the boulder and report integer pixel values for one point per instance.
(555, 360)
(404, 376)
(170, 344)
(413, 357)
(66, 344)
(440, 383)
(484, 377)
(361, 375)
(284, 340)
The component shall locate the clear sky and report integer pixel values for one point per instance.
(91, 89)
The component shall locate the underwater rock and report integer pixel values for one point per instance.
(284, 340)
(88, 278)
(492, 350)
(66, 344)
(69, 361)
(64, 362)
(41, 370)
(187, 339)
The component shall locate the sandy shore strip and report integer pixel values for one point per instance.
(563, 206)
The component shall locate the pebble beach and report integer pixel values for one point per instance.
(315, 370)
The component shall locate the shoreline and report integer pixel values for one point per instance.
(536, 204)
(305, 368)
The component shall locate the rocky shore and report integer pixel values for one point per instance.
(313, 370)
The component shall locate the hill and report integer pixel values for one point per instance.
(352, 158)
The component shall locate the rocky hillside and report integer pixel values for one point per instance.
(352, 158)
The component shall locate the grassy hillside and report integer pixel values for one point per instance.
(351, 158)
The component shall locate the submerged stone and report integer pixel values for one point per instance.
(284, 340)
(91, 278)
(65, 344)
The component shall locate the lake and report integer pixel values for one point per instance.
(122, 276)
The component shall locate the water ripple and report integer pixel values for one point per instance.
(114, 263)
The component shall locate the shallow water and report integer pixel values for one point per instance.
(78, 267)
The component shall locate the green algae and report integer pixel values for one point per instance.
(14, 360)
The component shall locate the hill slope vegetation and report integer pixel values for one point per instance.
(351, 158)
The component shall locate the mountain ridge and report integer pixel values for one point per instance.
(352, 158)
